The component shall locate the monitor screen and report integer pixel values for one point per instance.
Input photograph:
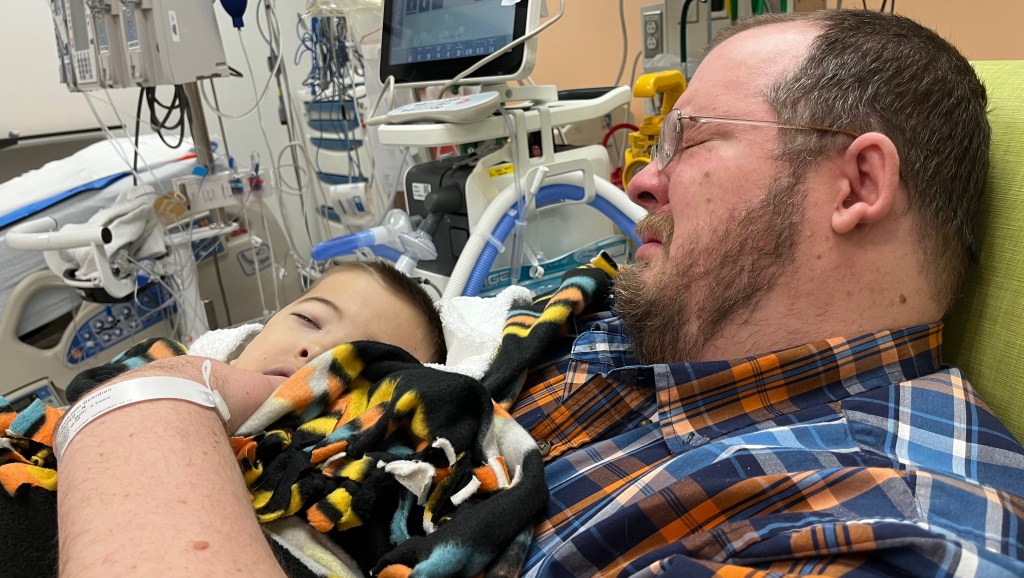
(432, 41)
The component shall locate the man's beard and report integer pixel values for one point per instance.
(674, 313)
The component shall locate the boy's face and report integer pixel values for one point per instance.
(345, 306)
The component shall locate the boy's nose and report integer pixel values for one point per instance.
(307, 352)
(309, 349)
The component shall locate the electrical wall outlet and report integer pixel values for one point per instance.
(718, 10)
(653, 21)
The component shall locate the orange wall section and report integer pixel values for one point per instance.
(584, 49)
(989, 30)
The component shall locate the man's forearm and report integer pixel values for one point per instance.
(154, 489)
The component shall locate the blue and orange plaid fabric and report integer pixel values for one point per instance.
(844, 457)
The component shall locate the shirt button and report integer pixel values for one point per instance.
(545, 448)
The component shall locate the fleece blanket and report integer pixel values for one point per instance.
(363, 461)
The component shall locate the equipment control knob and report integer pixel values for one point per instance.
(117, 332)
(126, 311)
(105, 337)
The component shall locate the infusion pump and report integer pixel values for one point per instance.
(129, 43)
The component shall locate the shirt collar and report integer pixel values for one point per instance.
(701, 401)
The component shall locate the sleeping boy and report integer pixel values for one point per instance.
(352, 301)
(359, 457)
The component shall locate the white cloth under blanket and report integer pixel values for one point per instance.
(472, 329)
(224, 344)
(95, 161)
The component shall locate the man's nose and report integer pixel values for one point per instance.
(649, 188)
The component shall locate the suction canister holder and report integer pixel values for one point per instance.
(670, 84)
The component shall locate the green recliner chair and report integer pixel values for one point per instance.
(984, 333)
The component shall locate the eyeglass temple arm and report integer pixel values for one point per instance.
(770, 123)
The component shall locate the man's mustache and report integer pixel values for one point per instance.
(658, 226)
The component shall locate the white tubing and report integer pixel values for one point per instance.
(505, 201)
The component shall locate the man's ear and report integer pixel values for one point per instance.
(870, 169)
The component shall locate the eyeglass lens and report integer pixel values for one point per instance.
(668, 139)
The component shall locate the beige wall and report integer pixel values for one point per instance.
(988, 30)
(584, 49)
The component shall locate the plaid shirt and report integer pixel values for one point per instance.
(853, 457)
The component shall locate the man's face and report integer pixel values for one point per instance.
(345, 306)
(724, 217)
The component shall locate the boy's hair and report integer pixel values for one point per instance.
(406, 289)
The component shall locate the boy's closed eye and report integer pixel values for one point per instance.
(307, 320)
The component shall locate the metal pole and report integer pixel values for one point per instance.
(197, 124)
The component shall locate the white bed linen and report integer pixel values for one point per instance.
(94, 162)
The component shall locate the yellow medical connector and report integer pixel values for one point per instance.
(670, 84)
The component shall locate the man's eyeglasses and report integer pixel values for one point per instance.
(665, 151)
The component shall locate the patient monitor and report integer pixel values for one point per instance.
(427, 42)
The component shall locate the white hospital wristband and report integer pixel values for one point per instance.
(134, 391)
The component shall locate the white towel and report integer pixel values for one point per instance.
(224, 344)
(472, 329)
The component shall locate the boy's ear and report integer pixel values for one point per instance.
(870, 180)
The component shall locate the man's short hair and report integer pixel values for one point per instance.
(408, 290)
(873, 72)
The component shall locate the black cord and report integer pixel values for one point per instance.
(884, 2)
(138, 122)
(178, 103)
(429, 283)
(153, 99)
(892, 7)
(220, 284)
(682, 31)
(864, 3)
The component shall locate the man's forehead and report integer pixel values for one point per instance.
(738, 72)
